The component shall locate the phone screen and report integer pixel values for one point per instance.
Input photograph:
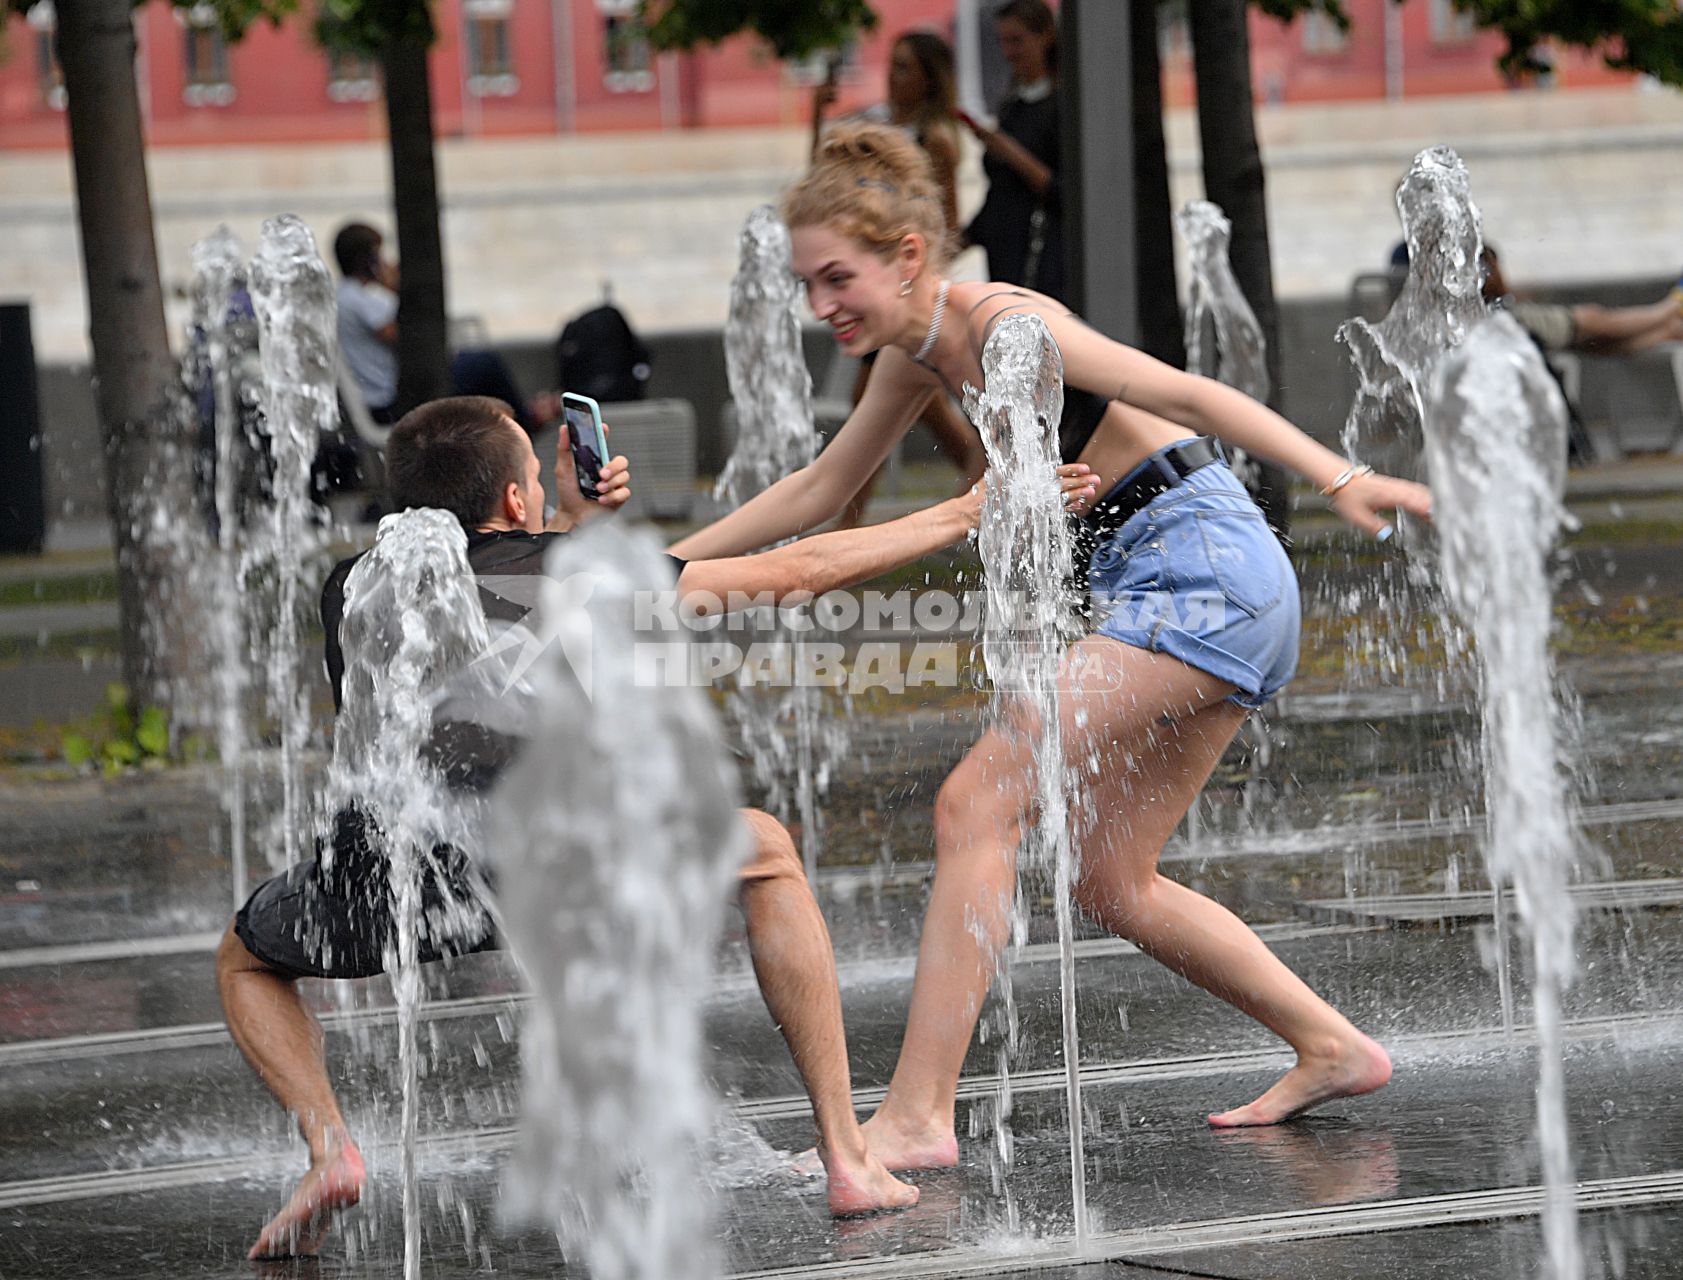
(587, 461)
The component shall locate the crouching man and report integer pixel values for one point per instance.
(467, 455)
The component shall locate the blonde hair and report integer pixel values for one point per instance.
(873, 183)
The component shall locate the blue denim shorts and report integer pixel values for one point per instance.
(1197, 574)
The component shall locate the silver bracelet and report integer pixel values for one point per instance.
(1344, 477)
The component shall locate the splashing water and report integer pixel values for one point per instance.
(1394, 605)
(1224, 341)
(1496, 449)
(794, 744)
(1026, 548)
(412, 618)
(617, 845)
(292, 293)
(218, 274)
(1440, 301)
(1216, 307)
(769, 381)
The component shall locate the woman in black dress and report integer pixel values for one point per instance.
(1020, 225)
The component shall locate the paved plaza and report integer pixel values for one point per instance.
(134, 1142)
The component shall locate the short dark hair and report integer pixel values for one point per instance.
(457, 454)
(357, 247)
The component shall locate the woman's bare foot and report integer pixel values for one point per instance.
(900, 1147)
(858, 1183)
(334, 1183)
(1356, 1067)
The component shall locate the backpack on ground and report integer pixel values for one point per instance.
(600, 356)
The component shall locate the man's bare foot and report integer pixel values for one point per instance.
(858, 1183)
(899, 1148)
(335, 1183)
(1357, 1067)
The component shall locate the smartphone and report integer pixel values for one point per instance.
(589, 442)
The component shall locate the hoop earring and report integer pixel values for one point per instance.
(905, 288)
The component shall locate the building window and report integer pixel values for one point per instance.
(490, 48)
(625, 54)
(350, 77)
(205, 59)
(1450, 25)
(43, 25)
(1322, 34)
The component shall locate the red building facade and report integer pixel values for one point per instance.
(1421, 48)
(508, 67)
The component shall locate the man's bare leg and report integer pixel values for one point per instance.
(283, 1044)
(796, 967)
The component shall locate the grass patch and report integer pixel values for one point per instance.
(80, 588)
(87, 645)
(1626, 532)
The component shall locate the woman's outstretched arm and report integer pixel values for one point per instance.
(803, 500)
(1103, 366)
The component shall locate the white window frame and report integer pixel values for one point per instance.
(638, 80)
(43, 25)
(202, 17)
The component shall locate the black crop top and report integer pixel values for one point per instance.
(1083, 410)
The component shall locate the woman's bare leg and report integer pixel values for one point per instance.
(1156, 727)
(1136, 810)
(1109, 693)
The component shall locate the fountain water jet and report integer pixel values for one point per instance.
(218, 274)
(1496, 428)
(296, 314)
(793, 743)
(412, 620)
(617, 843)
(1026, 547)
(1394, 604)
(1224, 341)
(1440, 301)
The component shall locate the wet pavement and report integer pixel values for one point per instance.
(134, 1141)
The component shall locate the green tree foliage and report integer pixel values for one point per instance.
(1631, 35)
(795, 29)
(369, 26)
(355, 26)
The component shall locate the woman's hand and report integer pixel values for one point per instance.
(1079, 485)
(1362, 498)
(968, 505)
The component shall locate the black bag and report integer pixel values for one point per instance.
(598, 355)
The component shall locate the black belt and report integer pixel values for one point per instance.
(1162, 472)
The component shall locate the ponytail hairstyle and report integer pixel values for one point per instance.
(1038, 17)
(873, 183)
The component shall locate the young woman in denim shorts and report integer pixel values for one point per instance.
(1195, 623)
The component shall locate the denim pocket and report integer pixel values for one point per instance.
(1245, 559)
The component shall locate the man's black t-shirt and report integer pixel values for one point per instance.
(511, 554)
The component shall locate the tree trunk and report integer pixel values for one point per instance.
(423, 338)
(1233, 179)
(144, 423)
(1160, 323)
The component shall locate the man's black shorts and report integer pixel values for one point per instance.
(332, 917)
